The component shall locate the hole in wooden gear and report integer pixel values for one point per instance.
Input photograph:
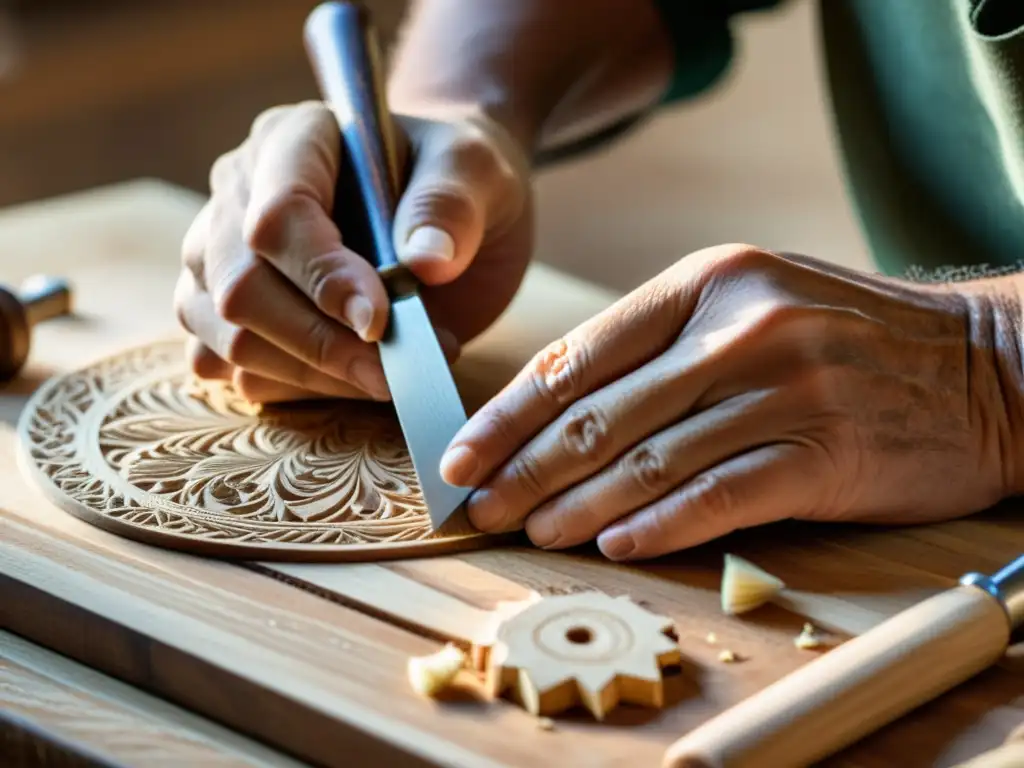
(579, 635)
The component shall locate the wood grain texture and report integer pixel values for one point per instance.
(325, 678)
(91, 719)
(445, 599)
(317, 680)
(133, 444)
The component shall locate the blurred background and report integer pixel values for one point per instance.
(100, 91)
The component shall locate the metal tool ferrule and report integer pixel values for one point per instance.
(1006, 586)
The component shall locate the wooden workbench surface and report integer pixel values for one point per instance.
(320, 673)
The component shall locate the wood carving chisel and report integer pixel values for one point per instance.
(865, 683)
(343, 49)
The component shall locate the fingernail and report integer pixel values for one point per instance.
(616, 543)
(459, 465)
(487, 512)
(369, 378)
(542, 529)
(428, 243)
(359, 312)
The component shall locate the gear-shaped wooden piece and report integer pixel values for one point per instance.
(586, 648)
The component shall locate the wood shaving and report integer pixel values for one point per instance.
(545, 723)
(728, 657)
(712, 638)
(745, 586)
(429, 675)
(808, 638)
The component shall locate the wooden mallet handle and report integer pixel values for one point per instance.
(40, 298)
(855, 689)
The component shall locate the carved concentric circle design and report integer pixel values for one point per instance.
(135, 445)
(587, 648)
(584, 635)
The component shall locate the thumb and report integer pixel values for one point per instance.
(441, 217)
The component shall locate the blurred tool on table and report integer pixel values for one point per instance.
(40, 298)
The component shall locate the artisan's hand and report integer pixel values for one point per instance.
(738, 388)
(275, 301)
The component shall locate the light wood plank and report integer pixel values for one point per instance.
(312, 677)
(379, 591)
(102, 720)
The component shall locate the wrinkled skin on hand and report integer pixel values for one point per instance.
(741, 387)
(274, 300)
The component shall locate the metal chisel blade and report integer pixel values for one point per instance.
(426, 399)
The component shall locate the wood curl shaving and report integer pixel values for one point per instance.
(745, 586)
(808, 638)
(430, 675)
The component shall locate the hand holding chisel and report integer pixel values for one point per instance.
(280, 290)
(346, 58)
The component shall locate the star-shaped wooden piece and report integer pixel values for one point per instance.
(587, 648)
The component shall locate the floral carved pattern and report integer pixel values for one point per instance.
(134, 444)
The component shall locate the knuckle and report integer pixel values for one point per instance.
(193, 264)
(501, 423)
(254, 387)
(742, 259)
(326, 288)
(493, 177)
(804, 329)
(585, 432)
(192, 259)
(205, 363)
(780, 316)
(246, 385)
(322, 345)
(233, 298)
(647, 468)
(181, 313)
(821, 384)
(737, 264)
(269, 118)
(315, 114)
(558, 371)
(525, 470)
(224, 171)
(268, 123)
(291, 209)
(711, 497)
(193, 244)
(447, 199)
(240, 346)
(474, 156)
(656, 527)
(181, 302)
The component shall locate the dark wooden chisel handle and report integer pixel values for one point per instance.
(342, 47)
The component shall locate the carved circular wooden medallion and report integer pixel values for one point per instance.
(135, 445)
